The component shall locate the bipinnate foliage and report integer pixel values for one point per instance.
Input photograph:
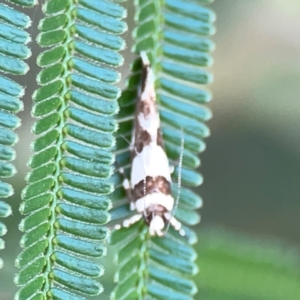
(13, 52)
(66, 199)
(174, 34)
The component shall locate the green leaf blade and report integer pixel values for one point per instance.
(13, 52)
(66, 200)
(26, 3)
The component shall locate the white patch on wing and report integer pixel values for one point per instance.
(150, 123)
(145, 58)
(152, 161)
(154, 199)
(149, 91)
(148, 95)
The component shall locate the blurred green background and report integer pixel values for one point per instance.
(249, 234)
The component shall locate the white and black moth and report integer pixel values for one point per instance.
(149, 188)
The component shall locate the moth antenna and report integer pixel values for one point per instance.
(178, 181)
(179, 169)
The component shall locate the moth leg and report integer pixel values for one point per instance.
(174, 223)
(128, 189)
(128, 222)
(172, 168)
(132, 220)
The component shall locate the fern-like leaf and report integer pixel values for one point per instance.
(13, 52)
(174, 34)
(65, 201)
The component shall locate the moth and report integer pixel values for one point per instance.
(149, 187)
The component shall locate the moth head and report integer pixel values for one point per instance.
(155, 219)
(154, 206)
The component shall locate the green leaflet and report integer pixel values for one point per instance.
(27, 3)
(175, 36)
(13, 51)
(66, 198)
